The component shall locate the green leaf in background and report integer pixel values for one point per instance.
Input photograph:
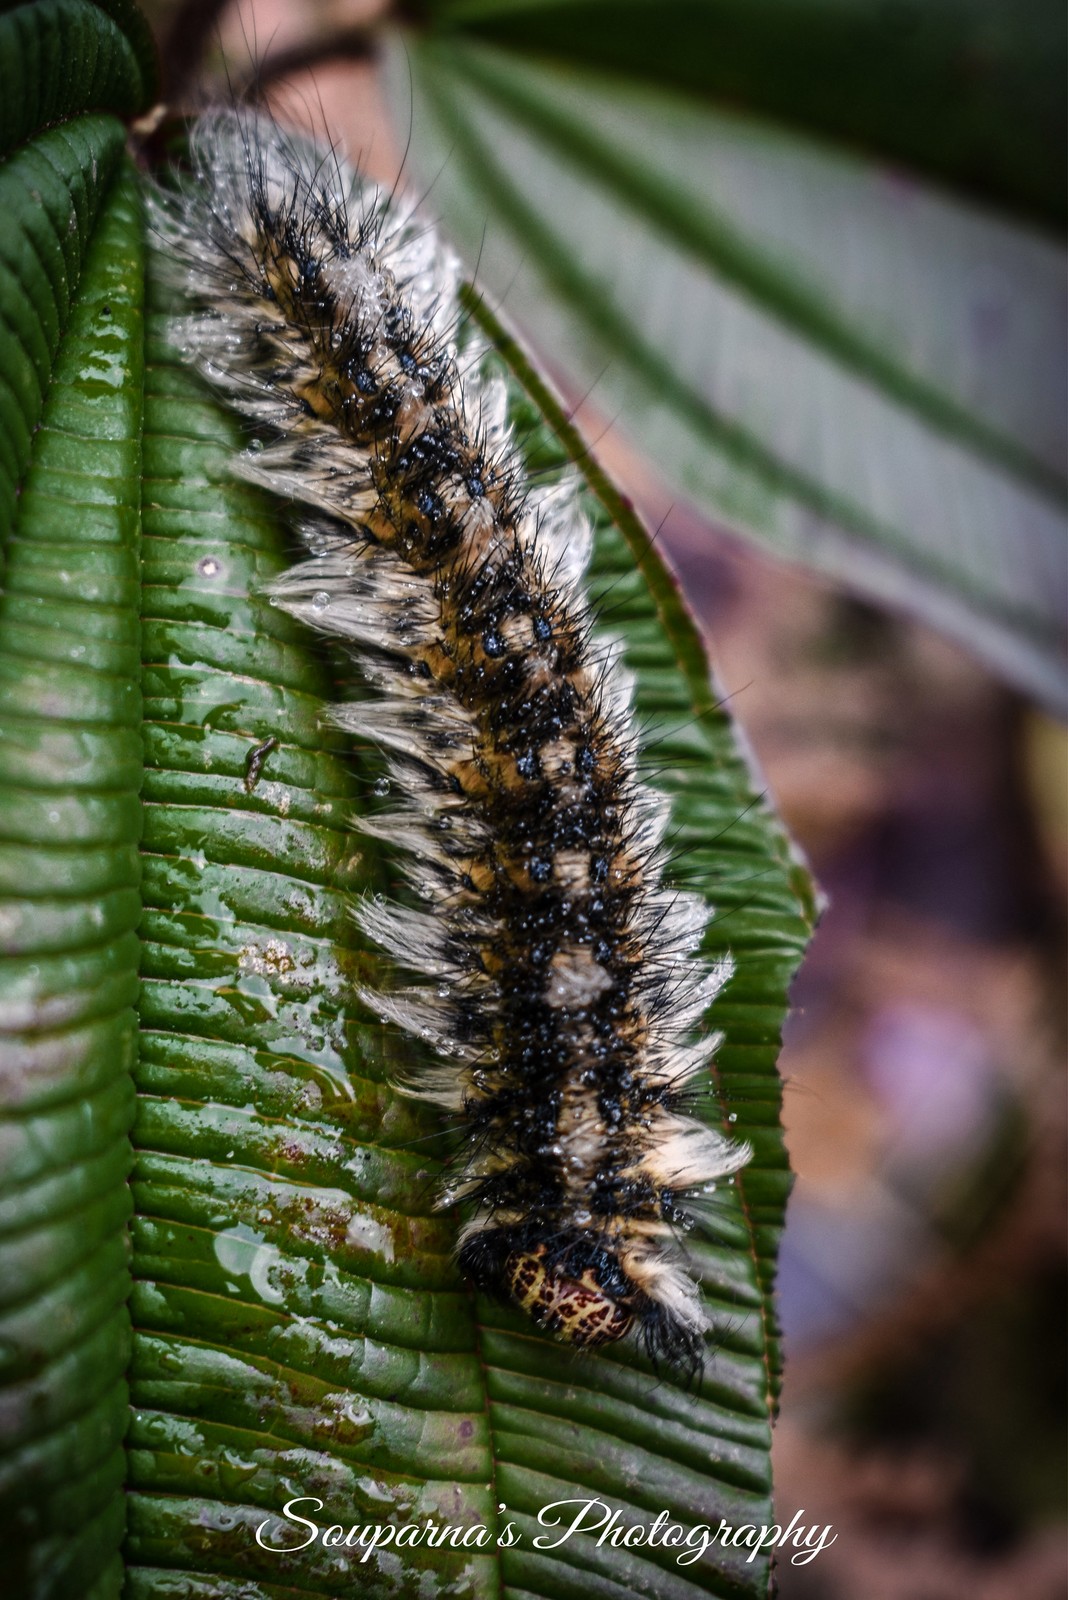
(967, 92)
(863, 374)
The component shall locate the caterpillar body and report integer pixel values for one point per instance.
(562, 995)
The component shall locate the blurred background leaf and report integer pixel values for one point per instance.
(814, 347)
(967, 92)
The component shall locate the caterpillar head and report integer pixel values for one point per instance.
(571, 1304)
(569, 1284)
(575, 1286)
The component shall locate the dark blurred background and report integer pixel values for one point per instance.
(921, 1283)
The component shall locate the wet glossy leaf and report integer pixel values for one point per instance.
(70, 770)
(300, 1325)
(71, 284)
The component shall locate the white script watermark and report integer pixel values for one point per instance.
(564, 1519)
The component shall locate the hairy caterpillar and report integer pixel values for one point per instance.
(562, 996)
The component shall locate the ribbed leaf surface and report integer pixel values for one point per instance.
(62, 57)
(71, 282)
(51, 192)
(70, 770)
(300, 1326)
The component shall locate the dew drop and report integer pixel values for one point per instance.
(208, 567)
(320, 600)
(381, 786)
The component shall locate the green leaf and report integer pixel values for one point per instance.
(299, 1319)
(864, 376)
(71, 280)
(70, 770)
(63, 57)
(300, 1326)
(298, 1322)
(51, 194)
(967, 92)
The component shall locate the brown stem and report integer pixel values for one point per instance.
(354, 43)
(183, 46)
